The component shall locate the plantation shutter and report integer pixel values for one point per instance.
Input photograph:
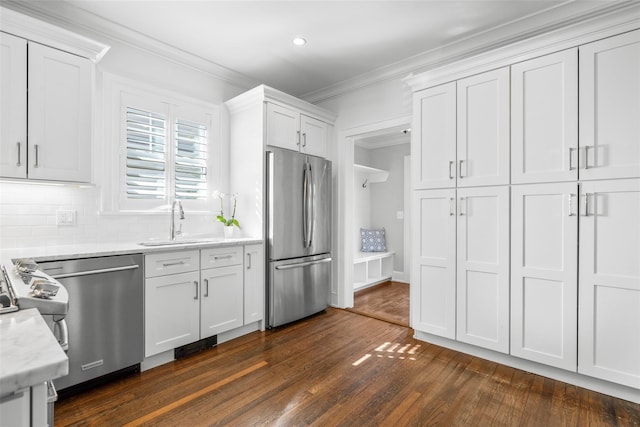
(146, 149)
(190, 160)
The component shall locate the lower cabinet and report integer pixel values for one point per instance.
(191, 303)
(462, 265)
(609, 281)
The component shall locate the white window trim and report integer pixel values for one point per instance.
(112, 164)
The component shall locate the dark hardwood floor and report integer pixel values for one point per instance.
(387, 301)
(339, 369)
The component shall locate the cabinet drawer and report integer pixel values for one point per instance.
(171, 263)
(221, 257)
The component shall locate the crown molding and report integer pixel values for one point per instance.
(552, 23)
(69, 16)
(41, 32)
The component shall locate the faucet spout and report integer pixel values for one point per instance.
(172, 224)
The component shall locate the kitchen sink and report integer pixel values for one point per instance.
(178, 242)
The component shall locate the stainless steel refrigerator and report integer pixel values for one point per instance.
(298, 235)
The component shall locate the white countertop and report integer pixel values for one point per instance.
(29, 353)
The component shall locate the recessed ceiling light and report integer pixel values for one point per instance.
(299, 41)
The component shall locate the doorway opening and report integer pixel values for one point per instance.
(375, 208)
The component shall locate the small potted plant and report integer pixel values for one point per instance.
(230, 222)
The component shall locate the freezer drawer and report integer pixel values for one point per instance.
(298, 288)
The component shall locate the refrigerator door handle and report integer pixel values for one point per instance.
(307, 207)
(302, 264)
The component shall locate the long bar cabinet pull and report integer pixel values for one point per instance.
(249, 261)
(195, 282)
(304, 139)
(19, 150)
(571, 212)
(452, 206)
(451, 165)
(206, 287)
(586, 156)
(35, 165)
(571, 150)
(462, 203)
(585, 204)
(460, 170)
(298, 142)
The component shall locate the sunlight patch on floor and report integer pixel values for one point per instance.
(392, 351)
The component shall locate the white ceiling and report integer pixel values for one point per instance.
(347, 40)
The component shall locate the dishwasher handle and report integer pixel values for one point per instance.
(99, 271)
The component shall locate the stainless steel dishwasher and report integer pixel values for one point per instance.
(106, 314)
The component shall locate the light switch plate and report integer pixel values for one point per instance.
(400, 214)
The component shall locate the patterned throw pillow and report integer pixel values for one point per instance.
(373, 240)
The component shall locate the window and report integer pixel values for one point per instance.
(167, 150)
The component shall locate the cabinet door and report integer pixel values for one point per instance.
(609, 280)
(283, 127)
(59, 115)
(171, 312)
(483, 267)
(433, 143)
(544, 283)
(433, 288)
(610, 107)
(314, 136)
(483, 129)
(544, 119)
(222, 300)
(253, 283)
(13, 107)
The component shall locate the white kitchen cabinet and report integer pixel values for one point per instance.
(433, 145)
(483, 267)
(544, 283)
(253, 283)
(289, 128)
(222, 300)
(13, 106)
(610, 107)
(609, 281)
(544, 119)
(483, 105)
(171, 311)
(433, 288)
(58, 110)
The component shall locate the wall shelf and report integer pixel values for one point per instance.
(370, 268)
(371, 175)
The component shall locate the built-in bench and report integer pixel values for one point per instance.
(370, 268)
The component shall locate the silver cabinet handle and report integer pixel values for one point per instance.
(571, 150)
(462, 203)
(249, 261)
(99, 271)
(586, 156)
(171, 264)
(298, 143)
(206, 287)
(195, 282)
(222, 257)
(452, 208)
(35, 165)
(19, 150)
(571, 212)
(304, 139)
(451, 163)
(460, 170)
(585, 204)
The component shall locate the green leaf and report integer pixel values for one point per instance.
(236, 223)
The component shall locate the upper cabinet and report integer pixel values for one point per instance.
(434, 138)
(46, 107)
(544, 119)
(483, 129)
(610, 107)
(289, 128)
(462, 133)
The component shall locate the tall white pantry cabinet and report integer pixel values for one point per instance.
(541, 262)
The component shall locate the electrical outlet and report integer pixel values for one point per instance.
(400, 214)
(66, 217)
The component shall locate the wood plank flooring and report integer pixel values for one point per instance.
(387, 301)
(339, 369)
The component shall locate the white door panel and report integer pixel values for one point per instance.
(544, 262)
(483, 267)
(544, 118)
(610, 107)
(434, 254)
(609, 280)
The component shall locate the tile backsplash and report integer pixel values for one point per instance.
(28, 218)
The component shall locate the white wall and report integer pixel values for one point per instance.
(28, 211)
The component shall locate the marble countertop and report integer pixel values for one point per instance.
(29, 353)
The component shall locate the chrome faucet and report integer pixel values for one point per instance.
(172, 226)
